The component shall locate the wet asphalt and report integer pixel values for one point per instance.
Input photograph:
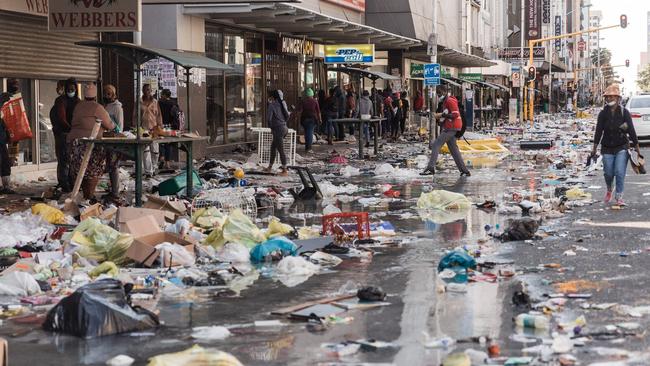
(407, 274)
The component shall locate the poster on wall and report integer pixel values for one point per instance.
(349, 53)
(160, 73)
(359, 5)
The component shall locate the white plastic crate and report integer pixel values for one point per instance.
(264, 139)
(228, 199)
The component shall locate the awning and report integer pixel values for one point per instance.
(452, 57)
(492, 85)
(461, 81)
(139, 55)
(451, 82)
(372, 75)
(296, 21)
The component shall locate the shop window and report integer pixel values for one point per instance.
(254, 83)
(235, 103)
(46, 96)
(215, 88)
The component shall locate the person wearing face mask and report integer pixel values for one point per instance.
(115, 111)
(614, 131)
(451, 123)
(85, 115)
(13, 87)
(151, 118)
(61, 118)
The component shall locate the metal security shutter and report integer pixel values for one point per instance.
(28, 50)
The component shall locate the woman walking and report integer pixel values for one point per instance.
(276, 117)
(614, 131)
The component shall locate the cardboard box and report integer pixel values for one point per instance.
(147, 234)
(172, 209)
(126, 214)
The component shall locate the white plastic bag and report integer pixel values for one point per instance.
(234, 253)
(349, 171)
(213, 333)
(19, 284)
(292, 271)
(175, 253)
(384, 169)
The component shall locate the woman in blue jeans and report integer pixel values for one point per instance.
(614, 131)
(310, 115)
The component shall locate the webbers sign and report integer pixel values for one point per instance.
(95, 15)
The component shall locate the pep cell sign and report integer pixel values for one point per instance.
(95, 15)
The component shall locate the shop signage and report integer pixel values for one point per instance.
(359, 5)
(558, 31)
(546, 11)
(513, 53)
(471, 77)
(417, 70)
(95, 15)
(533, 19)
(432, 74)
(33, 7)
(297, 46)
(349, 53)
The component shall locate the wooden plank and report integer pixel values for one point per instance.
(290, 309)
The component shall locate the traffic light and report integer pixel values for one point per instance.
(532, 72)
(627, 63)
(623, 21)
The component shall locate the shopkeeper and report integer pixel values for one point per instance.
(85, 115)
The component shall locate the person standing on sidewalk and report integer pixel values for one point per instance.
(116, 112)
(61, 118)
(151, 118)
(614, 131)
(170, 112)
(452, 123)
(13, 87)
(365, 110)
(276, 118)
(310, 117)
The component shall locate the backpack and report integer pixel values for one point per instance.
(459, 134)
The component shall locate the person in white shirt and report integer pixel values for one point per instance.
(499, 106)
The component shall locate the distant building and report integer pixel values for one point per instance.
(595, 18)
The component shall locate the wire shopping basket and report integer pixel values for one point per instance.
(228, 200)
(264, 139)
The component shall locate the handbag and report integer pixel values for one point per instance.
(15, 119)
(637, 161)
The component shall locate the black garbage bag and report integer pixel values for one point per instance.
(98, 309)
(522, 229)
(371, 294)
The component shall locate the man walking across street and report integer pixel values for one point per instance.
(452, 123)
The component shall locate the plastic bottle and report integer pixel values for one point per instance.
(532, 321)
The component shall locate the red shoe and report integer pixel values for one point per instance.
(608, 196)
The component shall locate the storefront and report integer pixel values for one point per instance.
(38, 59)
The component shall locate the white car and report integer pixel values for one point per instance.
(639, 107)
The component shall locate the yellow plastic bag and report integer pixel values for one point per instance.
(238, 228)
(443, 200)
(576, 193)
(107, 267)
(48, 213)
(277, 228)
(195, 355)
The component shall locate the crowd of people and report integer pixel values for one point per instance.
(74, 115)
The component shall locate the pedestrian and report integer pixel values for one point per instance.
(418, 103)
(276, 118)
(170, 112)
(310, 117)
(331, 111)
(322, 98)
(389, 114)
(405, 111)
(13, 87)
(452, 123)
(614, 130)
(85, 115)
(499, 105)
(341, 105)
(397, 116)
(366, 108)
(351, 108)
(61, 118)
(151, 119)
(116, 112)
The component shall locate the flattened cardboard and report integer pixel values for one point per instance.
(125, 214)
(172, 209)
(143, 248)
(144, 225)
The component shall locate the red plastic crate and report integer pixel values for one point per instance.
(347, 223)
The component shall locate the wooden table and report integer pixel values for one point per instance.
(358, 121)
(134, 148)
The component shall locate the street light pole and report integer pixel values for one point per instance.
(521, 70)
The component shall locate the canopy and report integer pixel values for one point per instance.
(372, 75)
(450, 82)
(139, 55)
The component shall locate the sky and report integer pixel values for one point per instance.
(624, 43)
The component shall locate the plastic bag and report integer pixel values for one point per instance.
(443, 200)
(100, 242)
(108, 268)
(350, 171)
(19, 284)
(234, 253)
(15, 119)
(48, 213)
(456, 258)
(331, 209)
(240, 229)
(23, 228)
(576, 193)
(277, 228)
(98, 309)
(213, 333)
(196, 355)
(176, 254)
(209, 218)
(292, 271)
(384, 169)
(276, 247)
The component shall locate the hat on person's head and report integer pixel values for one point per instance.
(309, 92)
(90, 90)
(613, 90)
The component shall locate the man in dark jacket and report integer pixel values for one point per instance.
(61, 118)
(13, 86)
(170, 115)
(340, 103)
(405, 112)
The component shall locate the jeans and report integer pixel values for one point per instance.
(62, 161)
(330, 128)
(615, 165)
(449, 138)
(277, 145)
(309, 124)
(150, 162)
(5, 161)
